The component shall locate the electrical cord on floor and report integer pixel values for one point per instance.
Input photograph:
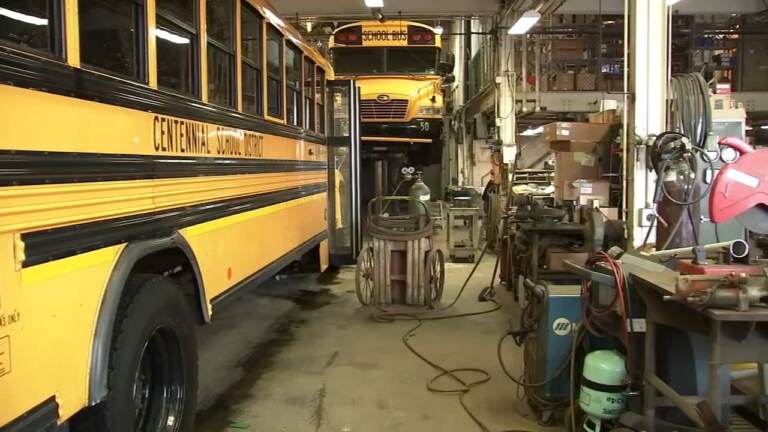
(464, 385)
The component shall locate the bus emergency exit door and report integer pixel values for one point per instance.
(343, 135)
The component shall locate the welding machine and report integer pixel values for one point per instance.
(548, 348)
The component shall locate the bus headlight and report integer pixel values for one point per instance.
(431, 110)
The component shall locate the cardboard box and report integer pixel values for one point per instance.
(609, 117)
(567, 49)
(564, 81)
(573, 131)
(586, 82)
(582, 190)
(576, 165)
(611, 213)
(555, 258)
(573, 146)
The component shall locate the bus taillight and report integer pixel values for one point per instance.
(349, 36)
(420, 36)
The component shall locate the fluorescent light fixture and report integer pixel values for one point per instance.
(439, 29)
(274, 19)
(532, 132)
(764, 127)
(29, 19)
(374, 3)
(525, 22)
(672, 2)
(170, 37)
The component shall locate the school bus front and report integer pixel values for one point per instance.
(396, 65)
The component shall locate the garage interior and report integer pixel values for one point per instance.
(568, 230)
(584, 62)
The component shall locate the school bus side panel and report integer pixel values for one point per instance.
(47, 321)
(231, 249)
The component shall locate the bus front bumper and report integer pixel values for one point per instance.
(415, 131)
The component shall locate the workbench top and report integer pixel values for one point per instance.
(663, 283)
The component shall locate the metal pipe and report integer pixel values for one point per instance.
(737, 248)
(537, 73)
(524, 49)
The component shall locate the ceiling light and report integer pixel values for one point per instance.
(525, 22)
(29, 19)
(672, 2)
(374, 3)
(170, 37)
(439, 29)
(764, 127)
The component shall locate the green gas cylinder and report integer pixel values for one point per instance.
(602, 395)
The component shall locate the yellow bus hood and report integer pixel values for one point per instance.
(410, 87)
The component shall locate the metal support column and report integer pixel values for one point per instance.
(649, 67)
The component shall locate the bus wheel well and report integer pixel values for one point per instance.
(175, 264)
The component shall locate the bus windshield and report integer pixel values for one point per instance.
(385, 60)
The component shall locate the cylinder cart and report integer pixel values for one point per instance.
(463, 232)
(401, 264)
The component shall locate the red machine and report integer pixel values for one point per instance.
(740, 190)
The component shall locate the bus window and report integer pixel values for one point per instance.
(412, 60)
(320, 99)
(358, 60)
(176, 39)
(32, 24)
(250, 48)
(112, 35)
(309, 94)
(293, 84)
(274, 72)
(220, 16)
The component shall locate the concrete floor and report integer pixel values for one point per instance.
(300, 354)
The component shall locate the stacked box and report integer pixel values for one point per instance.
(564, 81)
(567, 49)
(586, 82)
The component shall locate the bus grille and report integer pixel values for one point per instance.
(394, 109)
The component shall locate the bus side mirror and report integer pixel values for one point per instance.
(445, 67)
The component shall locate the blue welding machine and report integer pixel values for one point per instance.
(548, 348)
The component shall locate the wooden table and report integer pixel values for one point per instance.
(734, 337)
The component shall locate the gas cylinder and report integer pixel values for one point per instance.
(419, 191)
(603, 388)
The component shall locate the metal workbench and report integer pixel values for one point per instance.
(734, 337)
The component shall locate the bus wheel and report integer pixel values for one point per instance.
(153, 363)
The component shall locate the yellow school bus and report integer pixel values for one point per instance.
(397, 66)
(156, 157)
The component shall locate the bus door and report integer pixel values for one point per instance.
(344, 164)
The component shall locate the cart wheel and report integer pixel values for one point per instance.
(435, 275)
(364, 283)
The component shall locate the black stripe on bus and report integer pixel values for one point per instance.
(52, 244)
(37, 167)
(25, 70)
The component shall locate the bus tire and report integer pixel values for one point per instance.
(153, 362)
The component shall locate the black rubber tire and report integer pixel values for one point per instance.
(151, 305)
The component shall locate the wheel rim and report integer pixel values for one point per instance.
(365, 283)
(436, 274)
(158, 390)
